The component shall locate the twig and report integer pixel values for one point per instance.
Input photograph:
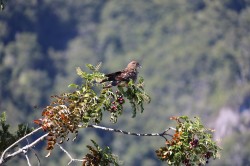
(26, 156)
(163, 134)
(67, 153)
(11, 146)
(38, 159)
(25, 152)
(3, 160)
(39, 163)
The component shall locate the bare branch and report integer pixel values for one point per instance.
(4, 159)
(11, 146)
(163, 134)
(68, 154)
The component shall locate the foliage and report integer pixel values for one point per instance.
(195, 57)
(71, 111)
(136, 95)
(191, 144)
(98, 156)
(6, 137)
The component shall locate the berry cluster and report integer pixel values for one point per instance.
(186, 162)
(117, 104)
(196, 146)
(194, 143)
(208, 155)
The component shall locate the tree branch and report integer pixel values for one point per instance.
(21, 150)
(68, 154)
(25, 148)
(11, 146)
(163, 134)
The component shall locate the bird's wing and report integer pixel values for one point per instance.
(123, 75)
(112, 76)
(126, 75)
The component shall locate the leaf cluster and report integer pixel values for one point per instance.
(136, 95)
(191, 144)
(98, 156)
(70, 111)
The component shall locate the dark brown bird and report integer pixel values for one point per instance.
(129, 73)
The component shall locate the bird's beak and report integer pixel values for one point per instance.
(139, 66)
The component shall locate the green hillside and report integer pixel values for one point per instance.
(195, 59)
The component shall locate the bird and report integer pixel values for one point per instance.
(125, 75)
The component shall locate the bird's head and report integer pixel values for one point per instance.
(133, 65)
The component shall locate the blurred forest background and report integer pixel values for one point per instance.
(195, 56)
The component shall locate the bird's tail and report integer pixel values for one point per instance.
(104, 80)
(112, 83)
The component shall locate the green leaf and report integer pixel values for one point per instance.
(79, 71)
(73, 86)
(91, 67)
(3, 117)
(98, 66)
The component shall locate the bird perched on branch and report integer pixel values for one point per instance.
(119, 77)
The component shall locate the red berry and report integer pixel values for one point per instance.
(186, 162)
(196, 141)
(208, 155)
